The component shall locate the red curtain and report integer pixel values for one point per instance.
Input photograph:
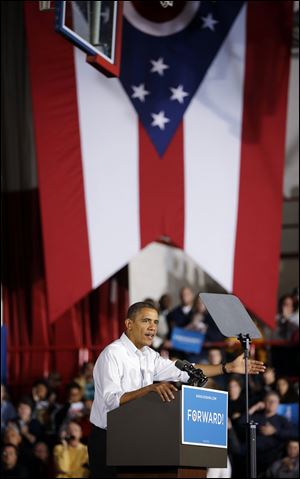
(35, 346)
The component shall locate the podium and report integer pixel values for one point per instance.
(144, 437)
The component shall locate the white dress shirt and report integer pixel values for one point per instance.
(122, 368)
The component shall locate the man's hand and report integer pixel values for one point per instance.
(165, 390)
(288, 462)
(259, 406)
(238, 366)
(63, 439)
(267, 429)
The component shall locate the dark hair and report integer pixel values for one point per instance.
(85, 365)
(26, 400)
(41, 381)
(136, 307)
(282, 300)
(73, 385)
(237, 379)
(272, 393)
(165, 297)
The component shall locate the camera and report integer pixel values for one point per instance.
(68, 438)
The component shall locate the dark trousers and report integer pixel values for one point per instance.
(97, 454)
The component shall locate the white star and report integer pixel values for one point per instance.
(139, 92)
(209, 22)
(178, 93)
(158, 66)
(159, 119)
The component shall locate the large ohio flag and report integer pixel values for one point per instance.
(187, 146)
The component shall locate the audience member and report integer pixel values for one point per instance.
(30, 428)
(10, 467)
(180, 317)
(288, 466)
(163, 327)
(260, 386)
(40, 394)
(164, 304)
(43, 459)
(71, 456)
(13, 436)
(236, 398)
(273, 430)
(73, 408)
(56, 387)
(197, 322)
(286, 391)
(8, 411)
(295, 316)
(86, 381)
(285, 327)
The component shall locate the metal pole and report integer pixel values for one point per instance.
(95, 20)
(250, 426)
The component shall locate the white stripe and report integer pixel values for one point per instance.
(212, 129)
(109, 144)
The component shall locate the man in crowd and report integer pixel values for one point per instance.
(9, 463)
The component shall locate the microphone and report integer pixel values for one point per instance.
(197, 377)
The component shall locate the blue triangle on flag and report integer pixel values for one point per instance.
(160, 74)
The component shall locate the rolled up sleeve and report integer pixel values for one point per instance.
(165, 370)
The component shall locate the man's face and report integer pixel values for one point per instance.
(24, 411)
(41, 391)
(234, 389)
(214, 356)
(186, 297)
(269, 376)
(74, 429)
(12, 436)
(41, 451)
(75, 395)
(271, 404)
(293, 449)
(142, 329)
(9, 457)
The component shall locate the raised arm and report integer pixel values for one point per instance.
(235, 366)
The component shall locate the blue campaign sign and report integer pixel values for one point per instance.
(186, 340)
(204, 417)
(290, 411)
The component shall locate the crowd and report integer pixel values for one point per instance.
(45, 434)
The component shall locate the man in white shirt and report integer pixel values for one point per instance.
(126, 370)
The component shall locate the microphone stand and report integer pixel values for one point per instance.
(250, 425)
(197, 377)
(197, 381)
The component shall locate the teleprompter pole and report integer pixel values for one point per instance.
(250, 425)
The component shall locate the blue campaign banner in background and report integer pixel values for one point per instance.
(186, 340)
(3, 354)
(204, 416)
(290, 411)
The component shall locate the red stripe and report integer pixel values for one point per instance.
(161, 190)
(262, 157)
(58, 152)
